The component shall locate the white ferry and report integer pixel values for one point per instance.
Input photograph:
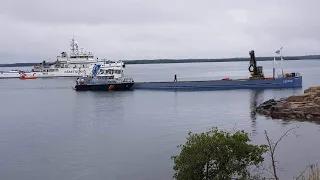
(11, 74)
(75, 64)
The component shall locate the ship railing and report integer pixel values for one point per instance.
(128, 79)
(114, 64)
(286, 75)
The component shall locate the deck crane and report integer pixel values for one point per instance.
(255, 71)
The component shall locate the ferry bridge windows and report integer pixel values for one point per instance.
(112, 71)
(107, 77)
(118, 71)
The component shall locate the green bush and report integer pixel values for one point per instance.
(217, 155)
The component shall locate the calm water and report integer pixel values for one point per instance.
(49, 131)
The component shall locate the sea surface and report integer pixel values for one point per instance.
(49, 131)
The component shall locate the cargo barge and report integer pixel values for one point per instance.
(270, 83)
(256, 81)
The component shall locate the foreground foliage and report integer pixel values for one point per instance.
(217, 155)
(311, 172)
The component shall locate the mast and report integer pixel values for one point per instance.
(274, 68)
(74, 47)
(281, 61)
(280, 64)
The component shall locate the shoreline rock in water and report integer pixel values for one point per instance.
(304, 107)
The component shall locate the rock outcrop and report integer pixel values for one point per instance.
(303, 107)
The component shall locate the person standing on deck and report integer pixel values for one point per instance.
(175, 77)
(78, 81)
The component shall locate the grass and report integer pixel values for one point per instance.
(311, 172)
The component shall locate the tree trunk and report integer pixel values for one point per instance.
(207, 171)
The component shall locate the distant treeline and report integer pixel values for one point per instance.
(161, 61)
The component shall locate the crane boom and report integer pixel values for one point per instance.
(256, 71)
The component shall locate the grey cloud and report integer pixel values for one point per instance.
(88, 12)
(150, 29)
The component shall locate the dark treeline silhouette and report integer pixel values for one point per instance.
(161, 61)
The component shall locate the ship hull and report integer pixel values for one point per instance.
(7, 75)
(53, 72)
(40, 75)
(104, 87)
(290, 82)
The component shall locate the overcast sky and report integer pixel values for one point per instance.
(36, 30)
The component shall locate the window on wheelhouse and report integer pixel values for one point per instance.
(105, 77)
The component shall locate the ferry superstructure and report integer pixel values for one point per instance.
(104, 80)
(10, 74)
(75, 64)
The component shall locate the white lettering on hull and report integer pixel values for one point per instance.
(288, 81)
(75, 71)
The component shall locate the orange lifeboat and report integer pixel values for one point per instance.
(226, 79)
(23, 77)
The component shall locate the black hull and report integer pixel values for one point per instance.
(104, 87)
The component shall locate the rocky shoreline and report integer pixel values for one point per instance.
(300, 107)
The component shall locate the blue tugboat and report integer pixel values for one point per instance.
(257, 80)
(104, 80)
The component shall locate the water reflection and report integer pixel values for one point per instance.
(256, 98)
(99, 108)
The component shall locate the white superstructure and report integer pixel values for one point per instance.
(75, 64)
(10, 74)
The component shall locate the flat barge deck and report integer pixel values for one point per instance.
(256, 81)
(267, 83)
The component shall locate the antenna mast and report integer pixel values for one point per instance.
(276, 64)
(74, 46)
(281, 61)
